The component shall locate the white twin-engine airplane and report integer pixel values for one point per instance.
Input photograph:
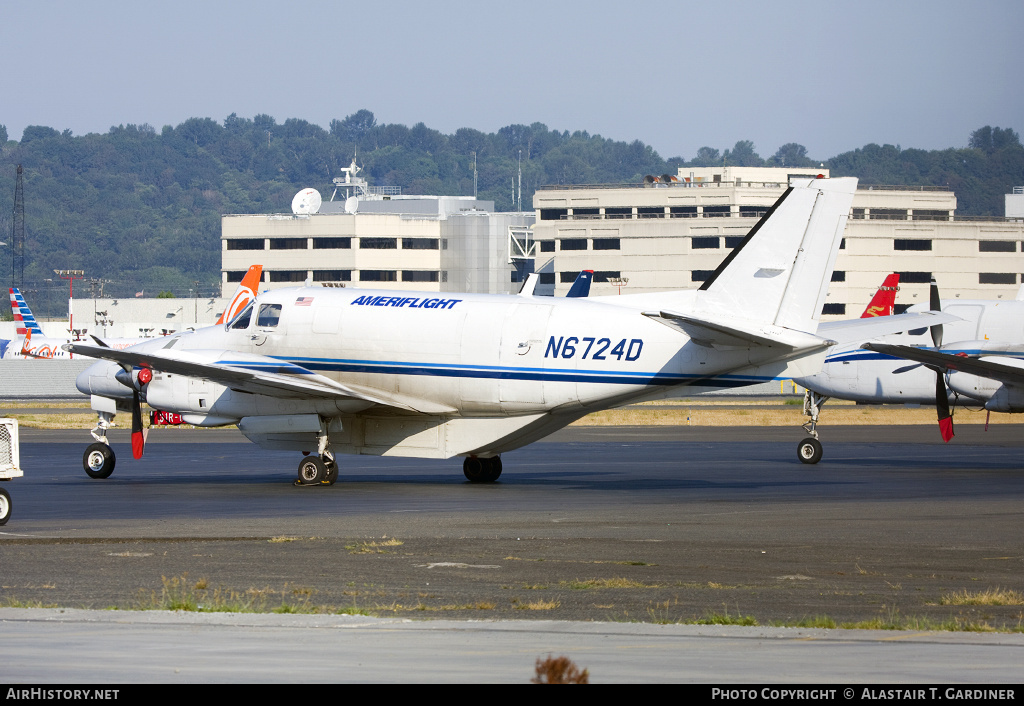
(332, 371)
(979, 356)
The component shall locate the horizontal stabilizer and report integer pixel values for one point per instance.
(708, 332)
(850, 330)
(1004, 371)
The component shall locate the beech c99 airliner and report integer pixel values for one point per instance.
(358, 371)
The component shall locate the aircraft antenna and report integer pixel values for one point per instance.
(18, 233)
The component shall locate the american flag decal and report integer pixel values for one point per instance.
(303, 301)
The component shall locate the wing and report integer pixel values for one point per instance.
(850, 330)
(742, 334)
(255, 374)
(948, 361)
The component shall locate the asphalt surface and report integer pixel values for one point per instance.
(605, 525)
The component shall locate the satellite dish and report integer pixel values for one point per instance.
(306, 201)
(351, 204)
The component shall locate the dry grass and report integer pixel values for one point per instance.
(559, 670)
(540, 604)
(605, 583)
(993, 596)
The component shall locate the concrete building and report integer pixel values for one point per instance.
(661, 236)
(379, 238)
(1015, 203)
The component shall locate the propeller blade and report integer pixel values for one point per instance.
(935, 304)
(942, 408)
(138, 433)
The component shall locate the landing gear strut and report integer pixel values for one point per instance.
(322, 469)
(809, 450)
(482, 470)
(98, 460)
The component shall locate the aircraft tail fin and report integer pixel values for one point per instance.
(884, 301)
(247, 290)
(581, 287)
(780, 272)
(23, 317)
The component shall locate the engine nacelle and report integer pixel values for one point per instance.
(997, 396)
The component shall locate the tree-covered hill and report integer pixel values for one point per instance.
(142, 208)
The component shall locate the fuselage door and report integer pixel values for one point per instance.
(522, 349)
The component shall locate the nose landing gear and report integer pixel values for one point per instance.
(98, 459)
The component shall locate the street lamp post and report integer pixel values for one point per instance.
(70, 276)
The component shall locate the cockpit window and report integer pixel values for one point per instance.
(242, 320)
(270, 315)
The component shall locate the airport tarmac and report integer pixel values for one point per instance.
(584, 534)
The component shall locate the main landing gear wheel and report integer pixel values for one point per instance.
(809, 450)
(5, 507)
(98, 460)
(482, 470)
(312, 471)
(332, 472)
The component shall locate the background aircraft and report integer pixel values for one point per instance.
(36, 345)
(876, 372)
(403, 373)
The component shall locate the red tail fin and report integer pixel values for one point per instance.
(884, 301)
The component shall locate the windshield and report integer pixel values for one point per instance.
(242, 320)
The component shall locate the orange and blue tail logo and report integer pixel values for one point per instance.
(24, 320)
(884, 301)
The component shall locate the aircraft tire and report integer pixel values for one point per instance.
(98, 460)
(312, 471)
(809, 450)
(5, 507)
(332, 472)
(475, 469)
(493, 468)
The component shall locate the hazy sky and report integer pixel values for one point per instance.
(832, 76)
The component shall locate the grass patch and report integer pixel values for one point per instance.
(993, 596)
(535, 605)
(726, 618)
(620, 582)
(374, 547)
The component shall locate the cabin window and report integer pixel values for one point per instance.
(270, 315)
(242, 320)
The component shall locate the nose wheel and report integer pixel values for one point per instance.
(809, 450)
(98, 460)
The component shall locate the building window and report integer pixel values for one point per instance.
(997, 278)
(586, 212)
(234, 275)
(700, 275)
(915, 277)
(911, 244)
(565, 277)
(682, 211)
(889, 214)
(572, 244)
(332, 243)
(753, 211)
(287, 243)
(420, 275)
(553, 214)
(547, 277)
(930, 215)
(378, 243)
(705, 243)
(605, 275)
(733, 241)
(606, 243)
(332, 275)
(838, 309)
(900, 308)
(246, 244)
(378, 276)
(838, 275)
(997, 246)
(717, 211)
(420, 244)
(858, 214)
(547, 245)
(288, 275)
(650, 212)
(842, 244)
(618, 212)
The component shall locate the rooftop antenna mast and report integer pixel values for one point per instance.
(18, 233)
